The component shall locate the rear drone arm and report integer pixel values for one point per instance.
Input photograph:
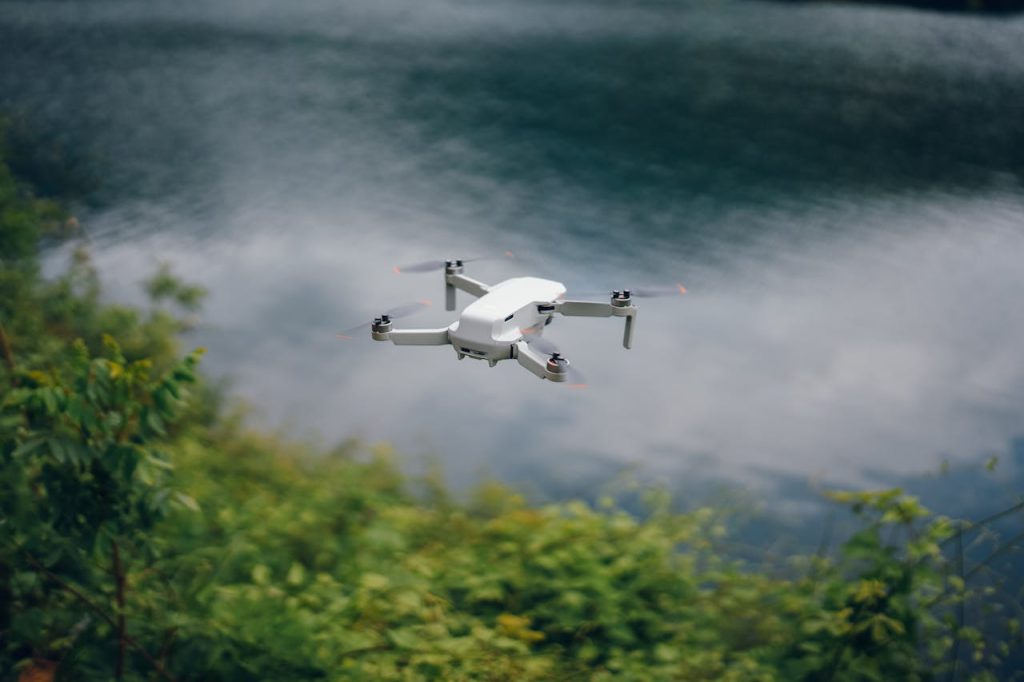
(383, 331)
(454, 279)
(620, 306)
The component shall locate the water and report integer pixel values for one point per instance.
(840, 188)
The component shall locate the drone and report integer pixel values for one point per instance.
(507, 319)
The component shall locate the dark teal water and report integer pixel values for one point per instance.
(841, 188)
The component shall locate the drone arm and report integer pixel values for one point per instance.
(594, 309)
(534, 362)
(468, 284)
(585, 309)
(417, 337)
(449, 296)
(454, 279)
(627, 333)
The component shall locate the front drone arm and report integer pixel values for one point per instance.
(536, 363)
(382, 331)
(420, 337)
(454, 279)
(619, 307)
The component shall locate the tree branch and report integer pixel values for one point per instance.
(119, 599)
(969, 526)
(129, 640)
(5, 350)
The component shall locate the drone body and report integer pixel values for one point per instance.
(506, 321)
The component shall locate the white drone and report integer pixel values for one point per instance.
(506, 321)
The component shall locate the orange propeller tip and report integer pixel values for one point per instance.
(682, 289)
(425, 301)
(343, 337)
(397, 269)
(577, 385)
(509, 254)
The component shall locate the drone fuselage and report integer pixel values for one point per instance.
(490, 326)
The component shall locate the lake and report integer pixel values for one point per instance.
(840, 189)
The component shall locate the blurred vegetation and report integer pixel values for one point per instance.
(147, 533)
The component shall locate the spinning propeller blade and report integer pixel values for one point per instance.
(658, 292)
(407, 309)
(542, 345)
(641, 292)
(396, 313)
(425, 266)
(575, 378)
(433, 265)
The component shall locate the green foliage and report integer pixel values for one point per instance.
(165, 286)
(85, 482)
(145, 534)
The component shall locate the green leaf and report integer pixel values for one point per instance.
(154, 422)
(27, 448)
(49, 399)
(57, 450)
(159, 462)
(296, 574)
(260, 574)
(188, 502)
(76, 453)
(173, 388)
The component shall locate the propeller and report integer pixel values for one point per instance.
(433, 265)
(396, 313)
(575, 378)
(641, 292)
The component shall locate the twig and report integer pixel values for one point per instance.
(121, 626)
(968, 527)
(1005, 547)
(824, 543)
(1002, 549)
(960, 610)
(5, 349)
(168, 641)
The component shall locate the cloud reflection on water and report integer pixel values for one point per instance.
(838, 186)
(855, 350)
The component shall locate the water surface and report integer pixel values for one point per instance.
(840, 188)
